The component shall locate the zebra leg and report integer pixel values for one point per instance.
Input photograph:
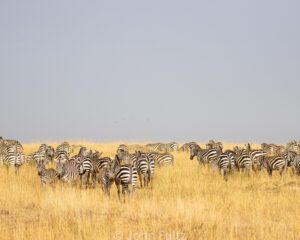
(145, 180)
(119, 190)
(16, 170)
(124, 190)
(269, 172)
(140, 178)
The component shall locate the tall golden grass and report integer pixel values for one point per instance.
(188, 201)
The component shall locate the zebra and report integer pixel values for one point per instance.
(124, 176)
(100, 163)
(243, 161)
(50, 153)
(274, 163)
(272, 149)
(122, 151)
(87, 169)
(63, 147)
(162, 159)
(43, 147)
(296, 164)
(14, 159)
(68, 171)
(293, 146)
(61, 156)
(155, 146)
(172, 146)
(145, 167)
(216, 145)
(14, 148)
(106, 178)
(203, 155)
(187, 146)
(226, 163)
(40, 157)
(255, 155)
(47, 176)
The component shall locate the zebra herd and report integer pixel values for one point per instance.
(89, 168)
(271, 157)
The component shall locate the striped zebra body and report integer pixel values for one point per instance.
(126, 176)
(47, 176)
(255, 156)
(291, 158)
(155, 146)
(243, 161)
(87, 169)
(145, 168)
(162, 159)
(14, 160)
(214, 145)
(14, 148)
(272, 149)
(203, 155)
(106, 179)
(68, 171)
(40, 157)
(294, 146)
(274, 163)
(61, 156)
(171, 147)
(101, 163)
(187, 146)
(64, 147)
(226, 163)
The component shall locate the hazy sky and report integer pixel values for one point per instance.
(150, 70)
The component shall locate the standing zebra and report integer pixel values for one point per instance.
(106, 178)
(124, 176)
(187, 146)
(162, 159)
(225, 163)
(15, 160)
(155, 146)
(68, 171)
(243, 161)
(274, 163)
(87, 169)
(145, 168)
(47, 176)
(172, 146)
(203, 155)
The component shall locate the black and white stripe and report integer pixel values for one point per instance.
(47, 176)
(145, 168)
(203, 155)
(68, 171)
(274, 163)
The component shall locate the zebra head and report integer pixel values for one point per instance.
(50, 152)
(193, 152)
(83, 152)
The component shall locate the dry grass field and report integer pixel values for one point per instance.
(188, 201)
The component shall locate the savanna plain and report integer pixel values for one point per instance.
(186, 201)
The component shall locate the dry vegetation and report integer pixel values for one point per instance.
(187, 201)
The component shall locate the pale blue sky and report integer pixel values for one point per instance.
(150, 70)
